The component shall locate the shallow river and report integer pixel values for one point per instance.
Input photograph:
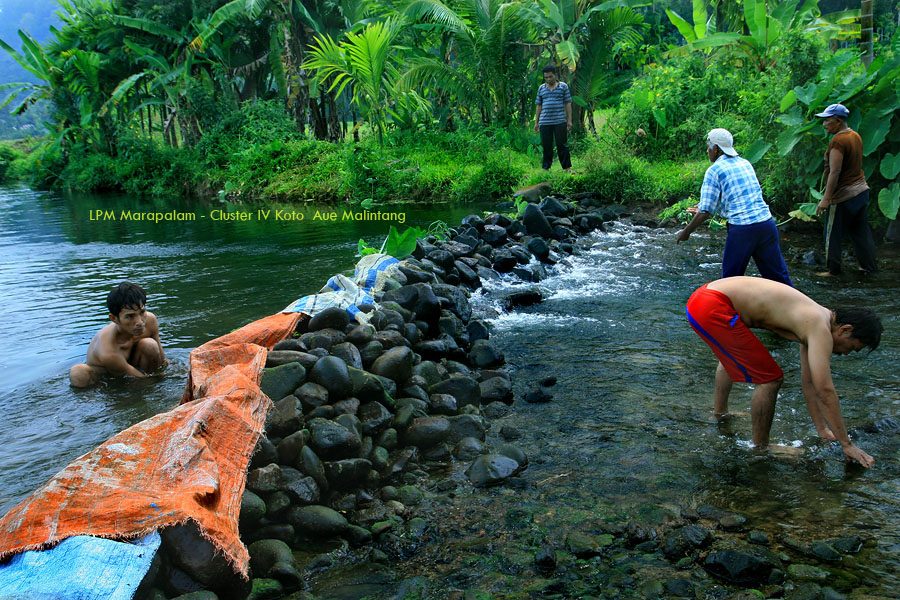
(627, 433)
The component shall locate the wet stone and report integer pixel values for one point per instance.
(278, 382)
(426, 432)
(276, 503)
(277, 358)
(463, 426)
(265, 479)
(848, 545)
(684, 541)
(266, 589)
(265, 554)
(264, 453)
(253, 508)
(293, 344)
(496, 410)
(443, 404)
(468, 448)
(808, 572)
(462, 387)
(738, 567)
(374, 418)
(311, 396)
(330, 318)
(395, 364)
(349, 353)
(491, 469)
(317, 520)
(758, 537)
(331, 373)
(347, 474)
(824, 551)
(510, 432)
(732, 522)
(286, 416)
(332, 440)
(485, 353)
(304, 490)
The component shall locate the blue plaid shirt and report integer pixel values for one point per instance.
(731, 190)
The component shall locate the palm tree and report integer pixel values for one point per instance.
(481, 57)
(364, 62)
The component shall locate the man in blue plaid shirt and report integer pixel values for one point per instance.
(731, 189)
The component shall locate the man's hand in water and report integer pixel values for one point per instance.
(859, 456)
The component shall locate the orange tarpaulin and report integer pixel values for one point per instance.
(187, 464)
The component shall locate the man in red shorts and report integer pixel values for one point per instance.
(722, 313)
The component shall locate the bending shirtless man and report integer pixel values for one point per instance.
(722, 313)
(128, 346)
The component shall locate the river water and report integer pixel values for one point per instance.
(626, 434)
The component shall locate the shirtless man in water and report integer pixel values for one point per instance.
(722, 313)
(128, 346)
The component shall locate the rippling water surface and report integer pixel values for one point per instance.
(203, 278)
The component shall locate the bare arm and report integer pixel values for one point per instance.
(812, 404)
(537, 116)
(685, 233)
(835, 162)
(153, 330)
(568, 106)
(817, 355)
(116, 364)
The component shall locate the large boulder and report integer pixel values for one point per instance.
(330, 318)
(426, 432)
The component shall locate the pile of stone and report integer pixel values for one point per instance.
(361, 410)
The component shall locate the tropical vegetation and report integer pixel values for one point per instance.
(425, 100)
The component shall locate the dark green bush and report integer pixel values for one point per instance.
(8, 155)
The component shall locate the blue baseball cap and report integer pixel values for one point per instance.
(835, 110)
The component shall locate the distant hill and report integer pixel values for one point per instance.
(34, 17)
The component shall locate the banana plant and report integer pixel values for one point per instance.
(873, 95)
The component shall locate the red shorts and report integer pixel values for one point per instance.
(713, 317)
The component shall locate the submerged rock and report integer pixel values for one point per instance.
(491, 469)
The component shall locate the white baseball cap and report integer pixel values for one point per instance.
(723, 139)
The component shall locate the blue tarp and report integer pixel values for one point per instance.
(79, 568)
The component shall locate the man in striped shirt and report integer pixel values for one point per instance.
(553, 118)
(731, 189)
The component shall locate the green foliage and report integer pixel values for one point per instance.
(396, 244)
(873, 97)
(679, 210)
(8, 154)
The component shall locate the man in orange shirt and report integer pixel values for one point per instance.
(846, 193)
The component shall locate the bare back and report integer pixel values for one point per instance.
(779, 308)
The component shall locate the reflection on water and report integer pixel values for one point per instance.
(204, 278)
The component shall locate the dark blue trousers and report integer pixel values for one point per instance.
(759, 241)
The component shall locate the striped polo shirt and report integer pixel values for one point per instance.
(730, 189)
(553, 110)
